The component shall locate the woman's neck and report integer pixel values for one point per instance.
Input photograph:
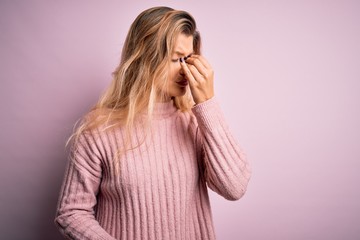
(163, 99)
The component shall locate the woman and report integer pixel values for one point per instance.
(143, 157)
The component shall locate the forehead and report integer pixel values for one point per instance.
(183, 44)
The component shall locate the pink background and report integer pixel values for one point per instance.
(287, 77)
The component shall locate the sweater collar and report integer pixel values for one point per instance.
(164, 109)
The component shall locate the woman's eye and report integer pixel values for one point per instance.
(175, 60)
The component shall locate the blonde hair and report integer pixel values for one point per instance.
(143, 67)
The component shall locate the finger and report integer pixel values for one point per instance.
(201, 59)
(196, 74)
(187, 71)
(194, 61)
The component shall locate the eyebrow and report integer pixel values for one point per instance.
(182, 54)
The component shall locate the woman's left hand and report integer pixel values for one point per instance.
(200, 75)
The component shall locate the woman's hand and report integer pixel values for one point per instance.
(200, 76)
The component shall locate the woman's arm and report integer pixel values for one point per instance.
(227, 171)
(75, 216)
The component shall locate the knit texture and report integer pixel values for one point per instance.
(161, 191)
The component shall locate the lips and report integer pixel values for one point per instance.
(183, 83)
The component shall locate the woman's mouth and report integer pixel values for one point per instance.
(183, 83)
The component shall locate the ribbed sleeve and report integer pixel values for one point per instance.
(227, 171)
(75, 214)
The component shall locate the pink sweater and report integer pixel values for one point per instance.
(161, 192)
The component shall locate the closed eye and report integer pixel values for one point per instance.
(178, 59)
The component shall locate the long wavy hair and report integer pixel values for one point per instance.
(143, 67)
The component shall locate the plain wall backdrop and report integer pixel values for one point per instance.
(287, 78)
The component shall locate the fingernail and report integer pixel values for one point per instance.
(187, 57)
(181, 60)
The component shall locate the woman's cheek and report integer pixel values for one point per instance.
(173, 73)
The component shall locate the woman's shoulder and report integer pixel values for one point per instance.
(98, 124)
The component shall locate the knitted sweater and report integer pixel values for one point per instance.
(161, 191)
